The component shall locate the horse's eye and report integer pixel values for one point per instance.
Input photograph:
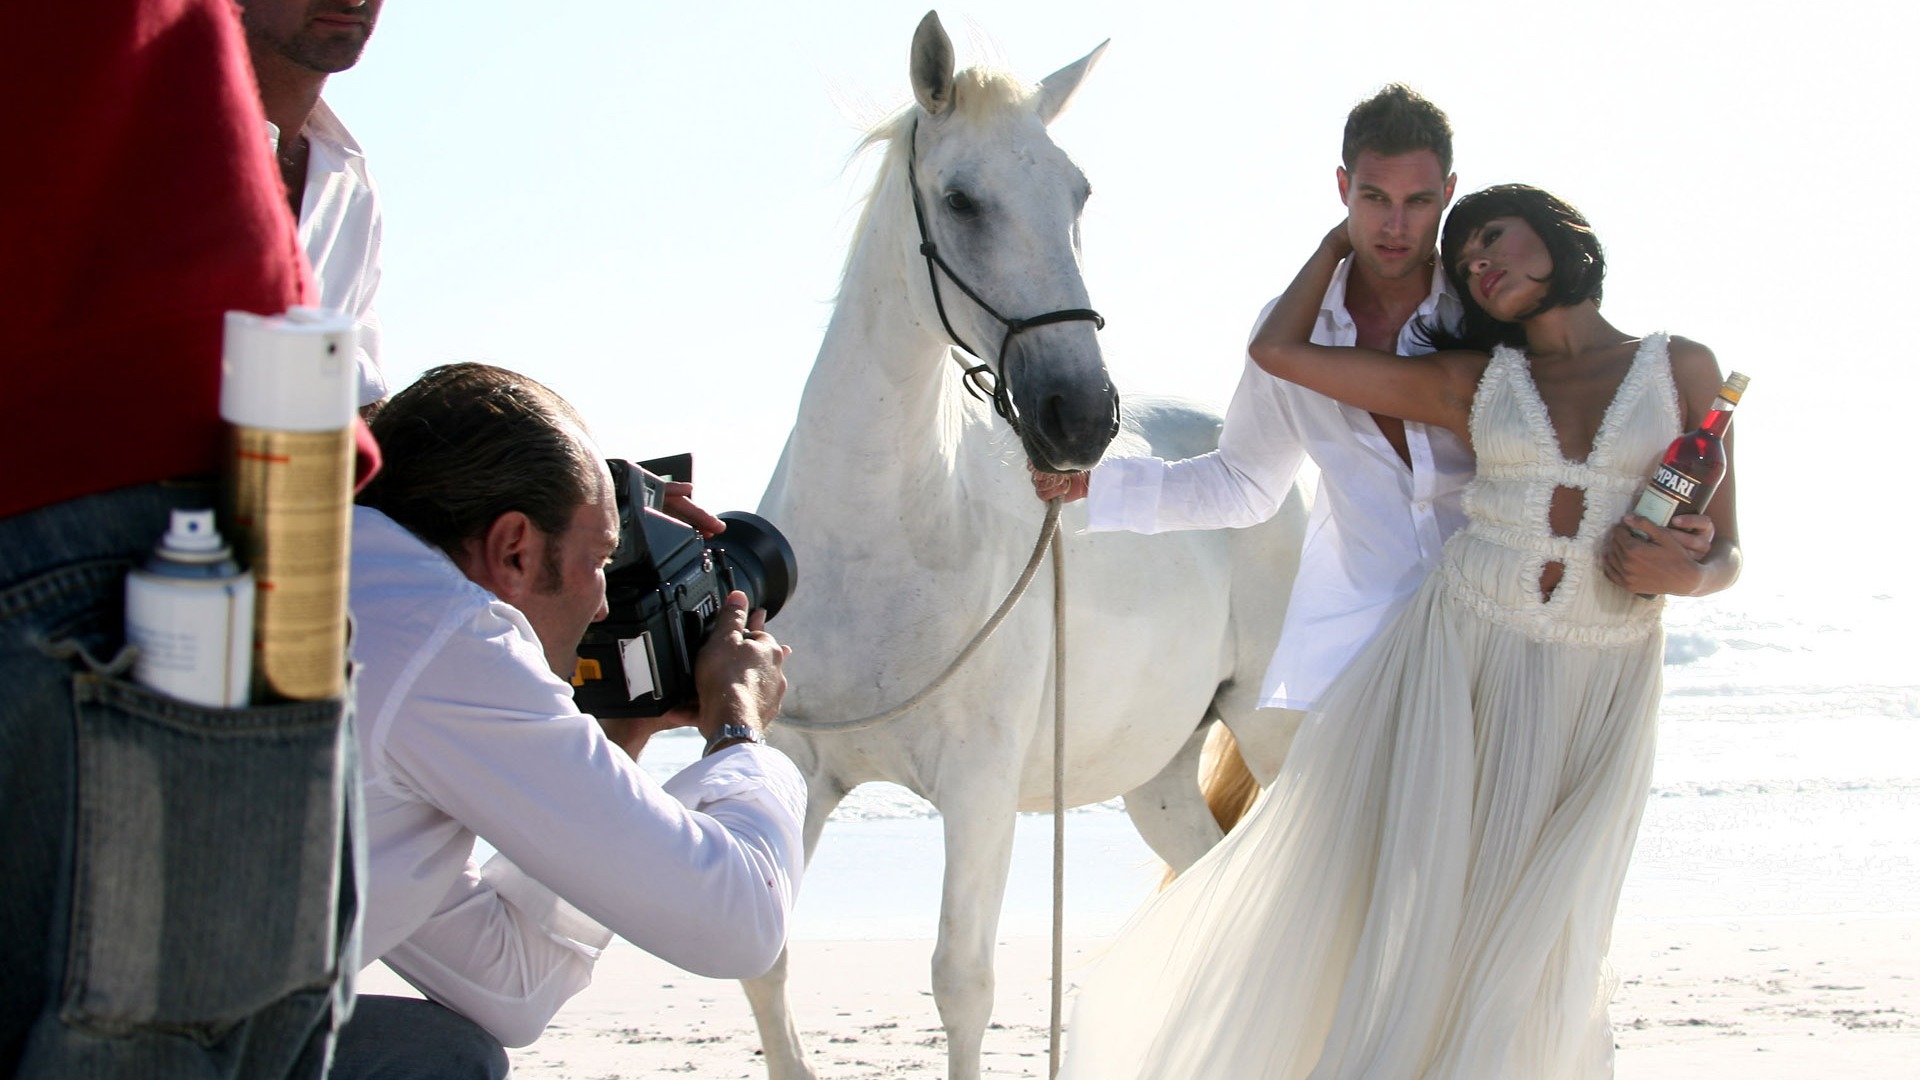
(958, 202)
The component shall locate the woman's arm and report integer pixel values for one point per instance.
(1659, 564)
(1436, 389)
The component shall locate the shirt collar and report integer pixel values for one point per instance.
(1439, 299)
(325, 127)
(1334, 304)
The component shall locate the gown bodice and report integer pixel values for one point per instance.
(1494, 564)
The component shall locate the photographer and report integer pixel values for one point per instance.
(477, 566)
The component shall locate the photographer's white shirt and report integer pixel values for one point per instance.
(1377, 524)
(464, 730)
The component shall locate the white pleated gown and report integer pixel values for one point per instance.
(1427, 891)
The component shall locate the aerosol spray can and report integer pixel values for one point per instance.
(289, 385)
(190, 610)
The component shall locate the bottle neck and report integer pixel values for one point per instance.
(1719, 418)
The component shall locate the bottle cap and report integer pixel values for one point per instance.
(192, 536)
(1735, 385)
(292, 372)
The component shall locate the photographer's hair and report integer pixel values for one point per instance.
(469, 442)
(1579, 266)
(1397, 120)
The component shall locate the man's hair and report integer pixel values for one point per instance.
(1579, 266)
(1397, 120)
(469, 442)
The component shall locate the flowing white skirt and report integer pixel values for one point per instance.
(1428, 890)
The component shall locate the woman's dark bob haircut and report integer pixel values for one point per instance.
(1578, 264)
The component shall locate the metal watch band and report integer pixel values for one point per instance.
(730, 733)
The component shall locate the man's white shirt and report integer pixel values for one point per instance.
(340, 229)
(464, 730)
(1377, 523)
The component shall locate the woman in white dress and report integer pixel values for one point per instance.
(1428, 889)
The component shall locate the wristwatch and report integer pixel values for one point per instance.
(728, 735)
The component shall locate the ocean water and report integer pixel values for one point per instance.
(1787, 785)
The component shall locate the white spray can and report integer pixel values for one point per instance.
(190, 610)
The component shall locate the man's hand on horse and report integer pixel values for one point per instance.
(1067, 487)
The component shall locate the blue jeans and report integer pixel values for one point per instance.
(178, 889)
(397, 1038)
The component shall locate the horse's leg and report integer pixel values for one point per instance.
(979, 836)
(772, 1011)
(1169, 811)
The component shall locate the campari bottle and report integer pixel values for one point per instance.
(1691, 469)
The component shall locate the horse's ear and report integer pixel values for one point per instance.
(930, 66)
(1057, 89)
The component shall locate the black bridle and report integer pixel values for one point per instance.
(980, 378)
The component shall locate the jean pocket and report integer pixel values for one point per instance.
(207, 858)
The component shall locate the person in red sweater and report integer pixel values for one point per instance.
(176, 891)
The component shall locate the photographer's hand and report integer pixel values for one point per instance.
(738, 673)
(677, 501)
(631, 733)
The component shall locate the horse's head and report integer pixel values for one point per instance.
(999, 213)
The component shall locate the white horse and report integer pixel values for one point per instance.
(909, 505)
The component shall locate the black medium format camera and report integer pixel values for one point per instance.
(666, 585)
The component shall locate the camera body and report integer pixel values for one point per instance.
(666, 585)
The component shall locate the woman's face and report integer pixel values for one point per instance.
(1506, 267)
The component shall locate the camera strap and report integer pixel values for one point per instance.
(981, 379)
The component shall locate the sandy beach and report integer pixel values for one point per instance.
(1768, 926)
(1763, 1000)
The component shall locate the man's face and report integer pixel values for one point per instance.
(1393, 210)
(570, 592)
(320, 35)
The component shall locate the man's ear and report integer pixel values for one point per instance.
(1447, 199)
(506, 559)
(1340, 180)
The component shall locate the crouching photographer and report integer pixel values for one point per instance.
(479, 560)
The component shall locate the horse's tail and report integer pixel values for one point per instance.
(1225, 779)
(1227, 783)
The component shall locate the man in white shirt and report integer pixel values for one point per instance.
(1389, 491)
(477, 565)
(295, 45)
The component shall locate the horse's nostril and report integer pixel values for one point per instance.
(1051, 419)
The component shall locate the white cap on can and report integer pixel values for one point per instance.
(292, 372)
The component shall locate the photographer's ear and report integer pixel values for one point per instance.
(506, 559)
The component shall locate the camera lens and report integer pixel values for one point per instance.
(759, 559)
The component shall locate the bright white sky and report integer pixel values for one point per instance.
(646, 205)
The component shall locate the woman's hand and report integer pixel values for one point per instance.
(1694, 533)
(1652, 562)
(1338, 242)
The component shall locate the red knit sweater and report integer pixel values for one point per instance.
(140, 202)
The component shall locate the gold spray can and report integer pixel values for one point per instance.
(289, 384)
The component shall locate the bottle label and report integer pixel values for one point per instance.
(195, 635)
(293, 504)
(1668, 493)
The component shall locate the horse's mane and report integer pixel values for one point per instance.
(978, 92)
